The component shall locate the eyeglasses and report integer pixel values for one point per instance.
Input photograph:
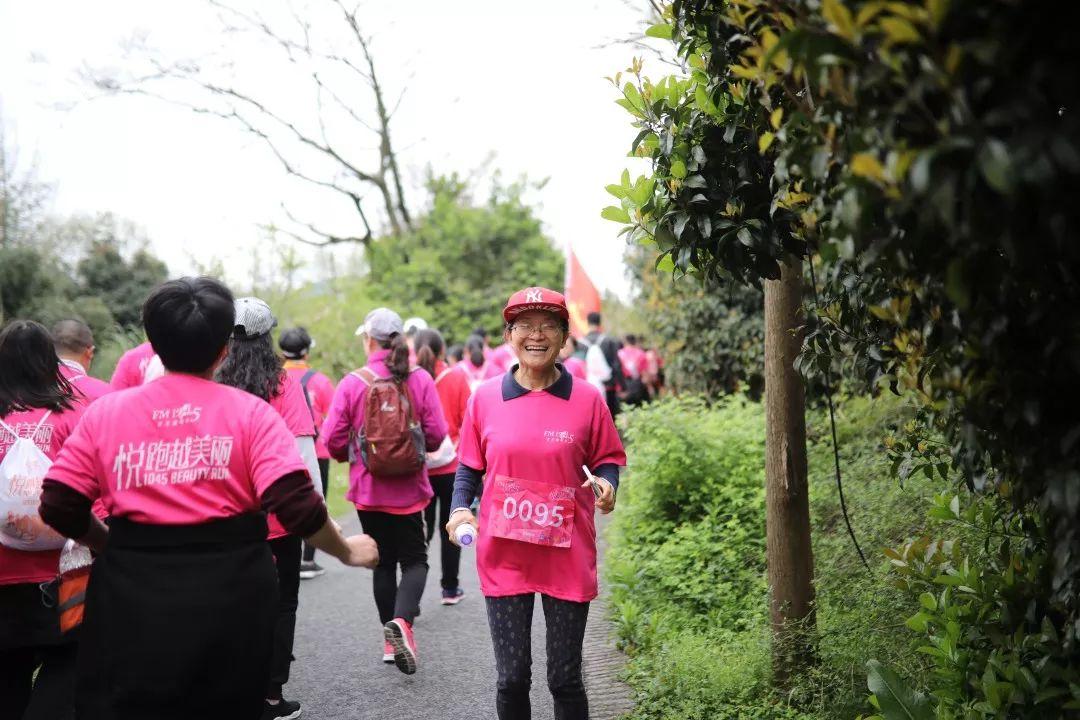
(549, 329)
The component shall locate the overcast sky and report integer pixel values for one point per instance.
(522, 81)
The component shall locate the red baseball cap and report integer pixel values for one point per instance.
(535, 298)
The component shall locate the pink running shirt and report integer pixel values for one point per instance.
(181, 450)
(321, 393)
(131, 368)
(542, 436)
(89, 387)
(292, 407)
(18, 566)
(576, 367)
(632, 359)
(401, 495)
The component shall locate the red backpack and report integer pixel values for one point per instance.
(392, 440)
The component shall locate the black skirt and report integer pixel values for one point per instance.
(179, 622)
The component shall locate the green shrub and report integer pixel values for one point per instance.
(687, 561)
(979, 594)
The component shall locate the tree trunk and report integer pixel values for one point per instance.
(790, 559)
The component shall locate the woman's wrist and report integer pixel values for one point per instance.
(459, 509)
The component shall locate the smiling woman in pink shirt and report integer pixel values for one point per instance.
(528, 435)
(383, 418)
(182, 598)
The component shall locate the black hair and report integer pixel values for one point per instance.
(31, 376)
(397, 362)
(456, 353)
(481, 332)
(294, 342)
(631, 339)
(252, 365)
(72, 336)
(474, 348)
(593, 318)
(428, 345)
(188, 322)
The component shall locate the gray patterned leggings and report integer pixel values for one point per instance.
(510, 619)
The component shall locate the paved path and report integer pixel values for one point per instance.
(339, 673)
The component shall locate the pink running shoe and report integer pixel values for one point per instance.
(387, 653)
(398, 633)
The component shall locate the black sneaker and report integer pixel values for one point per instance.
(284, 710)
(310, 569)
(452, 596)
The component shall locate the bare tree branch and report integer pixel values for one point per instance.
(328, 238)
(279, 130)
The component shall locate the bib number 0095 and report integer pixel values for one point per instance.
(539, 514)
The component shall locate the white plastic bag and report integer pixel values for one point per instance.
(22, 472)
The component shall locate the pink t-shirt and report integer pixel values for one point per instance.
(178, 451)
(292, 407)
(131, 368)
(89, 387)
(18, 566)
(576, 367)
(633, 360)
(540, 437)
(321, 393)
(404, 494)
(502, 358)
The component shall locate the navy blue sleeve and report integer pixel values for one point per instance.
(610, 472)
(466, 482)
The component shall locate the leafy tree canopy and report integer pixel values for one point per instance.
(464, 259)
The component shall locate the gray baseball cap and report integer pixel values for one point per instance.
(381, 324)
(253, 318)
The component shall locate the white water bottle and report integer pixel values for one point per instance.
(465, 534)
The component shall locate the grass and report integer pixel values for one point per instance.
(699, 637)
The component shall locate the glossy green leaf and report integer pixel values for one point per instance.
(663, 31)
(615, 214)
(895, 698)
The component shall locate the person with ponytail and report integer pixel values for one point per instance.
(454, 391)
(475, 364)
(390, 507)
(253, 366)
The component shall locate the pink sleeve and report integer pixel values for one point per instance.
(604, 443)
(470, 450)
(76, 464)
(124, 376)
(67, 422)
(338, 425)
(430, 411)
(293, 408)
(272, 452)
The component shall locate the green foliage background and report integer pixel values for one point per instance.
(687, 561)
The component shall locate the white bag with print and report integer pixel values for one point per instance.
(22, 472)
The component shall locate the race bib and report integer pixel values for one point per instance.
(530, 511)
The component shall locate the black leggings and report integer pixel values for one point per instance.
(324, 476)
(443, 485)
(401, 541)
(510, 619)
(30, 641)
(287, 560)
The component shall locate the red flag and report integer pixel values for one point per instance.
(582, 297)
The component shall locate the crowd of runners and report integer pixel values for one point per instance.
(154, 530)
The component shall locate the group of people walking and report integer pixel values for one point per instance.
(197, 480)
